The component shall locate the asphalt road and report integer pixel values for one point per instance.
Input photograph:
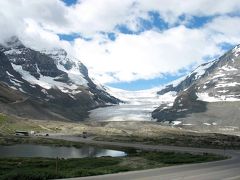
(226, 169)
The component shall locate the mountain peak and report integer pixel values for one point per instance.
(55, 52)
(13, 42)
(213, 85)
(53, 81)
(236, 50)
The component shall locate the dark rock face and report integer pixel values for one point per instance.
(189, 80)
(215, 81)
(98, 93)
(185, 103)
(46, 86)
(5, 66)
(34, 62)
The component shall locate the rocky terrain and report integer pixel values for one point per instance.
(46, 85)
(209, 96)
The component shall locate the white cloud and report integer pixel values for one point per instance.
(147, 55)
(225, 29)
(14, 13)
(89, 16)
(172, 9)
(129, 57)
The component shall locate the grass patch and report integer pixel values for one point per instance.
(2, 118)
(11, 140)
(207, 140)
(46, 168)
(9, 124)
(172, 158)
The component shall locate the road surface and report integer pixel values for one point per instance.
(226, 169)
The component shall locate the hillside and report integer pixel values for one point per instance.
(46, 85)
(209, 96)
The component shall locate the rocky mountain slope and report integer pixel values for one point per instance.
(209, 95)
(46, 85)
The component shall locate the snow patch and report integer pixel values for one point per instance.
(205, 97)
(218, 75)
(236, 51)
(44, 91)
(176, 122)
(181, 110)
(188, 124)
(222, 91)
(177, 81)
(61, 59)
(228, 68)
(232, 84)
(45, 82)
(13, 52)
(9, 74)
(204, 87)
(200, 70)
(15, 83)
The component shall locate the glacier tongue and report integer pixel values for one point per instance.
(137, 107)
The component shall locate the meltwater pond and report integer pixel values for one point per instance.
(26, 150)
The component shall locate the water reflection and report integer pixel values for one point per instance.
(23, 150)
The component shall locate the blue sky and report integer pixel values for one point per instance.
(130, 44)
(144, 84)
(70, 2)
(155, 22)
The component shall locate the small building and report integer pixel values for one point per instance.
(21, 133)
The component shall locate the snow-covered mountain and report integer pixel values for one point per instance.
(206, 95)
(49, 81)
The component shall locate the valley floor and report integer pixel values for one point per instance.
(46, 168)
(144, 132)
(145, 135)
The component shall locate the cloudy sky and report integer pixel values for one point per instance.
(129, 44)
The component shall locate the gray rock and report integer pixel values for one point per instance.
(214, 81)
(24, 72)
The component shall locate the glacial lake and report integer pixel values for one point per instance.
(26, 150)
